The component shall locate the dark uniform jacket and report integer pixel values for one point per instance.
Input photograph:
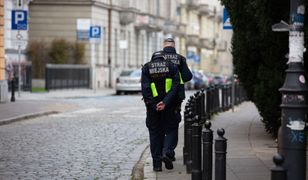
(186, 75)
(157, 71)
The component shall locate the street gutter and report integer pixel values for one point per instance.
(26, 116)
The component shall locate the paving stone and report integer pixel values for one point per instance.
(88, 143)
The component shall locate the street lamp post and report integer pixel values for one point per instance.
(291, 135)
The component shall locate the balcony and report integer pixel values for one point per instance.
(203, 9)
(147, 22)
(207, 43)
(169, 27)
(192, 4)
(211, 12)
(174, 28)
(127, 16)
(192, 40)
(180, 30)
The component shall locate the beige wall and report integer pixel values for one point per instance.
(183, 46)
(48, 22)
(193, 26)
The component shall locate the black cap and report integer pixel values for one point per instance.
(169, 40)
(158, 54)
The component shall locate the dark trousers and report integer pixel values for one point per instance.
(171, 141)
(163, 131)
(171, 131)
(154, 122)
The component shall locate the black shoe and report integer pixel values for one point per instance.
(157, 169)
(172, 158)
(168, 162)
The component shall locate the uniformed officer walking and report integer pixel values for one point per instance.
(171, 138)
(160, 84)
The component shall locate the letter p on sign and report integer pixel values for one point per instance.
(95, 32)
(19, 20)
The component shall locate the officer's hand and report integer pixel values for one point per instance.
(160, 106)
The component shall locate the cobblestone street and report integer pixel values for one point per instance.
(103, 139)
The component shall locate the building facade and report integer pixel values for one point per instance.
(207, 42)
(3, 81)
(131, 31)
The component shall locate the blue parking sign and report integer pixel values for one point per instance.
(226, 20)
(19, 20)
(95, 32)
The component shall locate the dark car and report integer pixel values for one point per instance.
(218, 80)
(198, 81)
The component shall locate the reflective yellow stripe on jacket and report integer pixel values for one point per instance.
(154, 90)
(168, 85)
(181, 80)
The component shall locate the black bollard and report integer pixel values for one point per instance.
(202, 107)
(230, 96)
(188, 162)
(207, 137)
(278, 172)
(220, 155)
(220, 98)
(199, 104)
(223, 94)
(196, 104)
(185, 134)
(212, 100)
(207, 103)
(226, 97)
(216, 99)
(186, 124)
(13, 89)
(196, 173)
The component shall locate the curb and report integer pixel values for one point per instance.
(138, 170)
(26, 116)
(143, 168)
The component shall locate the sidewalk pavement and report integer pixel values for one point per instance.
(249, 148)
(30, 105)
(66, 94)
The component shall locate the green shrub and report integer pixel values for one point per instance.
(78, 52)
(37, 53)
(59, 51)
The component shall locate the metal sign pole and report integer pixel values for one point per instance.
(19, 37)
(94, 66)
(93, 60)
